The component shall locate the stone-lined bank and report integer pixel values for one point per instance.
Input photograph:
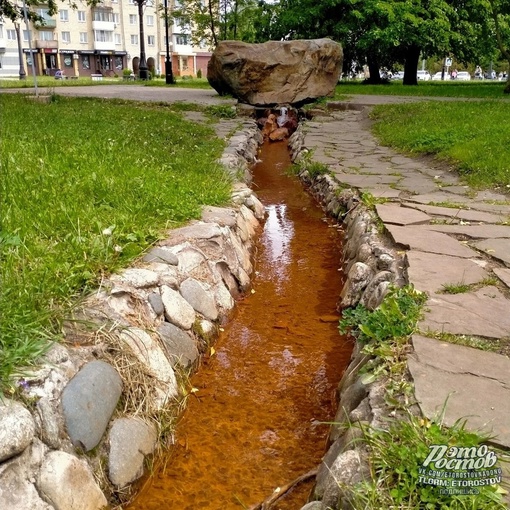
(84, 422)
(370, 264)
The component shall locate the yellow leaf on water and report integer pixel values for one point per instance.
(212, 351)
(193, 390)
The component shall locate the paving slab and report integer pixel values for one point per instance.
(462, 214)
(484, 313)
(398, 215)
(472, 231)
(429, 272)
(438, 197)
(415, 238)
(503, 275)
(497, 248)
(464, 383)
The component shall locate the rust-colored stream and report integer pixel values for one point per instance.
(256, 422)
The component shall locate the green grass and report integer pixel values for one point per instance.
(472, 89)
(48, 81)
(86, 186)
(471, 135)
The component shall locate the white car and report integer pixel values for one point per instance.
(463, 76)
(423, 75)
(438, 76)
(398, 75)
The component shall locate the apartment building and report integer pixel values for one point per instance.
(104, 39)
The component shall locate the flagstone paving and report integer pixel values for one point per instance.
(454, 238)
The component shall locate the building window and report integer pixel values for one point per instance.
(151, 40)
(82, 16)
(27, 35)
(68, 60)
(103, 36)
(183, 63)
(150, 20)
(11, 35)
(182, 39)
(66, 37)
(64, 15)
(131, 2)
(132, 19)
(119, 63)
(85, 62)
(84, 37)
(116, 18)
(117, 38)
(134, 39)
(102, 15)
(44, 14)
(45, 35)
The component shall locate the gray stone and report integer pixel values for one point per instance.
(275, 72)
(431, 242)
(88, 402)
(180, 346)
(482, 313)
(199, 298)
(67, 483)
(357, 279)
(131, 440)
(162, 255)
(49, 421)
(314, 505)
(496, 248)
(17, 476)
(430, 272)
(463, 383)
(190, 259)
(373, 288)
(152, 356)
(194, 231)
(17, 428)
(138, 278)
(177, 310)
(398, 215)
(156, 302)
(220, 215)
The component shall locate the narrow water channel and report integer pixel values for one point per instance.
(257, 419)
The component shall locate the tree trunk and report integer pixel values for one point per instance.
(411, 65)
(373, 69)
(507, 87)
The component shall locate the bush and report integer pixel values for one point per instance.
(199, 73)
(127, 72)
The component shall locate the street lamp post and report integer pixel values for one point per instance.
(169, 76)
(22, 73)
(143, 70)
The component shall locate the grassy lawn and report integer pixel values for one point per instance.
(48, 81)
(86, 186)
(473, 89)
(473, 136)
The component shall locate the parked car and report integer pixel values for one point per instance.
(398, 75)
(59, 75)
(463, 76)
(438, 76)
(423, 75)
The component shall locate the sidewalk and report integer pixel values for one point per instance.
(455, 239)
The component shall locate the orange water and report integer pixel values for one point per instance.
(257, 420)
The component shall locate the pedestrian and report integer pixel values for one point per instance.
(454, 74)
(478, 73)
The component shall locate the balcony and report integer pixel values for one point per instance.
(104, 46)
(108, 26)
(46, 23)
(39, 44)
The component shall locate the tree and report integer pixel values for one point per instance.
(14, 10)
(219, 20)
(500, 14)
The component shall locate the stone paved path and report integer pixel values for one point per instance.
(453, 237)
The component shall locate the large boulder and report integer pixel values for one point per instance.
(276, 72)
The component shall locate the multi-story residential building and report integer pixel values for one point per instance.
(104, 39)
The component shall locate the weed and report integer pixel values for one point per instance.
(395, 317)
(221, 111)
(306, 164)
(456, 288)
(468, 340)
(396, 456)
